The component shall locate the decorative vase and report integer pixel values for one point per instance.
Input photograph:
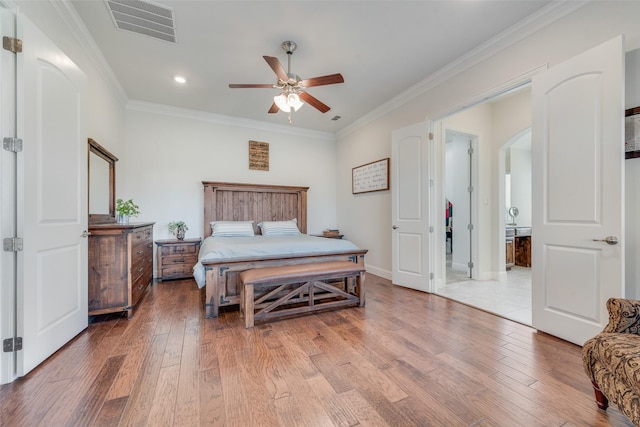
(122, 219)
(180, 233)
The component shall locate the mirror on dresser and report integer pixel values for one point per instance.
(102, 184)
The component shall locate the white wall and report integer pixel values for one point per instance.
(169, 152)
(106, 99)
(570, 35)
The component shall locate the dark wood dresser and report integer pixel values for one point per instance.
(120, 266)
(176, 258)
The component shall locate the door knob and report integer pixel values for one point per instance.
(85, 233)
(394, 227)
(609, 240)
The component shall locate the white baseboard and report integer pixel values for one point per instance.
(385, 274)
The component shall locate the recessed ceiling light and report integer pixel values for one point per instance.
(180, 79)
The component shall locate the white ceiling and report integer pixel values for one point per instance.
(382, 48)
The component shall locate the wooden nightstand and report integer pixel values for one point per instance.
(176, 258)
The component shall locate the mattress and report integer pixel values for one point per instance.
(262, 246)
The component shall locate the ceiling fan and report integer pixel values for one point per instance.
(292, 95)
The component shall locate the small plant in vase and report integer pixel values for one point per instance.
(178, 229)
(126, 209)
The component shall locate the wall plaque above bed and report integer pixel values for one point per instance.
(258, 155)
(373, 176)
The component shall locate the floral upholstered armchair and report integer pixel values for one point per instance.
(612, 359)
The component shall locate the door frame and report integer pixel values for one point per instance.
(473, 202)
(437, 213)
(502, 170)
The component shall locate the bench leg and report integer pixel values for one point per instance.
(247, 304)
(360, 288)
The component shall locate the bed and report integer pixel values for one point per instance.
(222, 259)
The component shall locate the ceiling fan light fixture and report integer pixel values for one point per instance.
(294, 101)
(286, 102)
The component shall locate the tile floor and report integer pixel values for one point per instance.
(510, 299)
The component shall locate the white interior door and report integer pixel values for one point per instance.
(52, 197)
(578, 183)
(410, 173)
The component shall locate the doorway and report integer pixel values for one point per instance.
(494, 127)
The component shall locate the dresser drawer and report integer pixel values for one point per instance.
(138, 287)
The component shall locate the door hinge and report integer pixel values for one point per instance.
(12, 44)
(431, 276)
(12, 244)
(12, 144)
(470, 189)
(431, 229)
(470, 151)
(430, 135)
(470, 227)
(10, 344)
(470, 264)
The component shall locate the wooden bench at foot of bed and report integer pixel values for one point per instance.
(276, 292)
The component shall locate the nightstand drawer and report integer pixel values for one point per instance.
(179, 250)
(177, 271)
(179, 259)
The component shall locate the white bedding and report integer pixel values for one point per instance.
(257, 246)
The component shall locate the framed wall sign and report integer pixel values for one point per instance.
(632, 133)
(259, 155)
(373, 176)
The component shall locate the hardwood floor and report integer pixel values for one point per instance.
(406, 359)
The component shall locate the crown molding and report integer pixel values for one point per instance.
(81, 34)
(512, 35)
(185, 113)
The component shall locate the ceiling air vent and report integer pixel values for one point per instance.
(143, 17)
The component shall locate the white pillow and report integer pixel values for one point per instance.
(232, 228)
(278, 228)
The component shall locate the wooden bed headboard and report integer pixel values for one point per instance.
(224, 201)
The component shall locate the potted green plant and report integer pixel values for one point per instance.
(178, 229)
(126, 209)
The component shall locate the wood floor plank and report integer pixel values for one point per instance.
(88, 408)
(187, 409)
(211, 398)
(406, 359)
(111, 412)
(236, 406)
(162, 409)
(337, 408)
(143, 392)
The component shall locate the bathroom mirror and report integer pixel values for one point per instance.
(102, 184)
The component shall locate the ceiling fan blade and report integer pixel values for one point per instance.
(244, 86)
(277, 67)
(322, 80)
(274, 109)
(314, 102)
